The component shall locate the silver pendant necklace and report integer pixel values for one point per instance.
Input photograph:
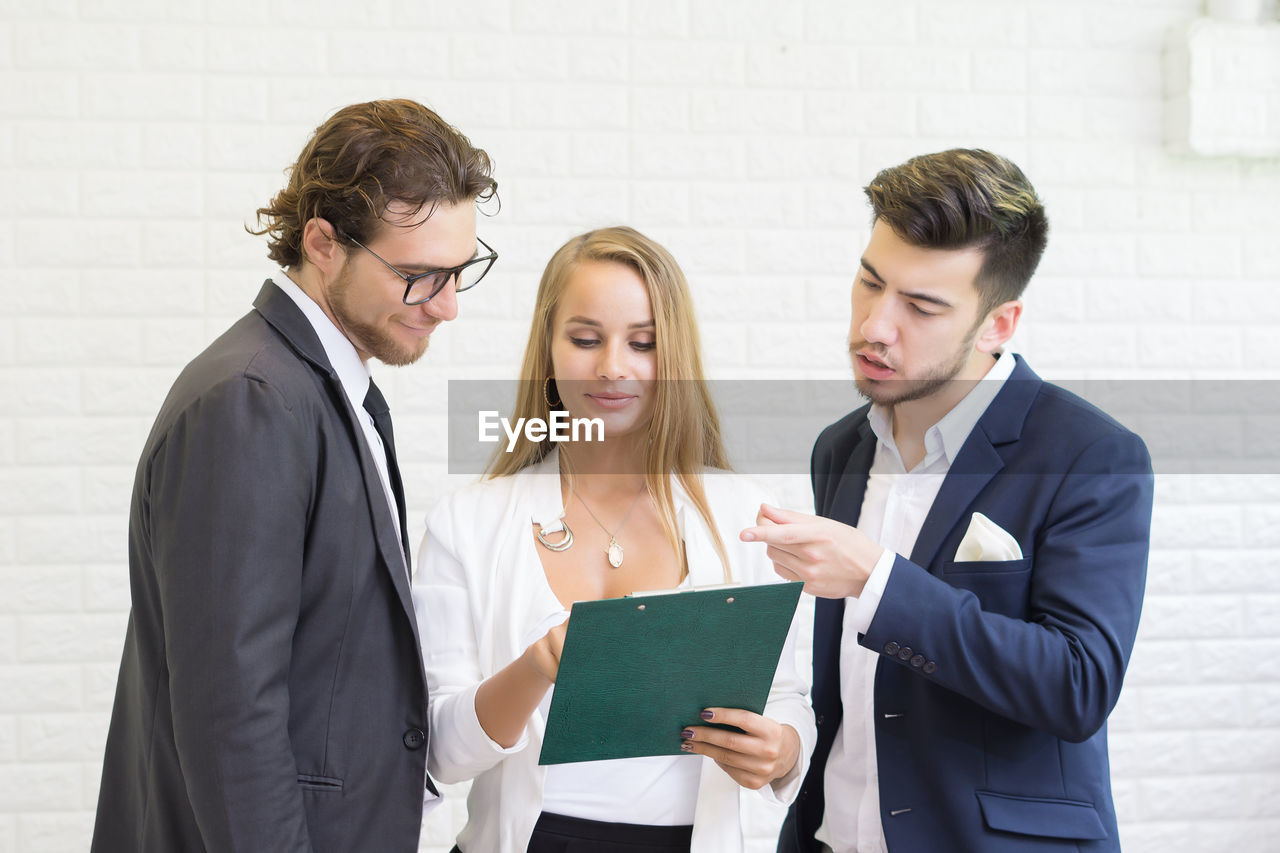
(614, 551)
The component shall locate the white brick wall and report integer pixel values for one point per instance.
(1223, 88)
(137, 137)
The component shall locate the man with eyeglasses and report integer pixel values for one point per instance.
(271, 693)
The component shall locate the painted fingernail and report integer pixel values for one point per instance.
(686, 734)
(707, 715)
(687, 746)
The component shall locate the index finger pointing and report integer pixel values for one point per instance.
(770, 534)
(754, 534)
(783, 516)
(780, 522)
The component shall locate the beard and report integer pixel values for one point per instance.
(889, 392)
(377, 341)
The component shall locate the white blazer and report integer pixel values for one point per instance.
(480, 593)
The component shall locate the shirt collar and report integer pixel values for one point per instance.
(548, 508)
(949, 434)
(352, 372)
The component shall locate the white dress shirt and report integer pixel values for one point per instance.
(894, 508)
(354, 375)
(481, 594)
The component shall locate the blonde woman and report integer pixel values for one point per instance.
(614, 338)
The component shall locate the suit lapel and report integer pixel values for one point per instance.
(384, 523)
(841, 501)
(285, 317)
(851, 486)
(974, 467)
(976, 463)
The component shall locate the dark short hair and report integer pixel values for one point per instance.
(362, 159)
(963, 198)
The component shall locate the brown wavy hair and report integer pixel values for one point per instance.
(963, 198)
(362, 159)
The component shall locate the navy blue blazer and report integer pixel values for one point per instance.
(995, 679)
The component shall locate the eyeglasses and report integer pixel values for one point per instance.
(422, 287)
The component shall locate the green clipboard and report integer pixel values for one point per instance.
(636, 671)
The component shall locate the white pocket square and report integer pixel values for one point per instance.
(986, 541)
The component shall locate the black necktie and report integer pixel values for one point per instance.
(376, 405)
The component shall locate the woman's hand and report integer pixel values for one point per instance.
(764, 751)
(506, 699)
(545, 652)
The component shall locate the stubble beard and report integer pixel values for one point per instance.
(890, 392)
(374, 340)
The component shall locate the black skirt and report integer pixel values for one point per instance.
(560, 834)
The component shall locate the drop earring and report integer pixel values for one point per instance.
(546, 393)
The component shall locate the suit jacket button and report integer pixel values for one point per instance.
(414, 739)
(820, 719)
(891, 648)
(917, 660)
(929, 668)
(905, 653)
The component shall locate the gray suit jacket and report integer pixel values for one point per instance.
(271, 694)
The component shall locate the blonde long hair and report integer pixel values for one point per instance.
(684, 430)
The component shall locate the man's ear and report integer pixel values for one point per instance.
(320, 248)
(999, 326)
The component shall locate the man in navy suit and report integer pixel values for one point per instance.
(979, 552)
